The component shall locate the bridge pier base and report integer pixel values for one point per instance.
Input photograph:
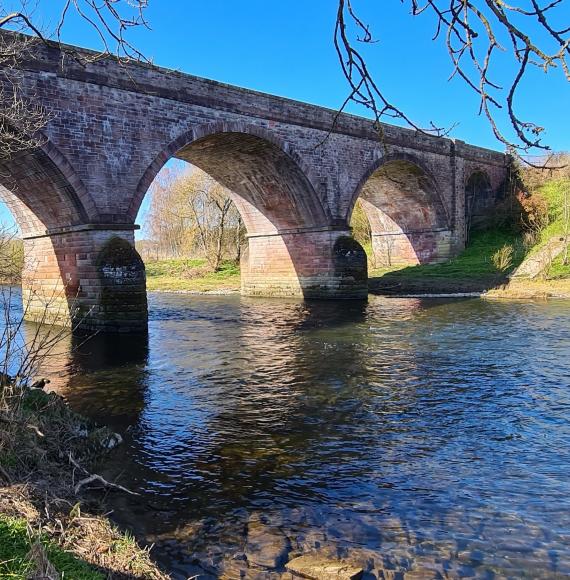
(87, 277)
(320, 263)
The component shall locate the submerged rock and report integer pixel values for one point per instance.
(315, 567)
(267, 546)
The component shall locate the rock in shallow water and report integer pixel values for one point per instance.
(267, 546)
(315, 567)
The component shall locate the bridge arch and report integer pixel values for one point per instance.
(479, 199)
(409, 221)
(43, 190)
(255, 164)
(292, 250)
(64, 242)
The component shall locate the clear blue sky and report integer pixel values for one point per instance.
(285, 48)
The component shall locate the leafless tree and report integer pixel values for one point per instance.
(191, 214)
(166, 223)
(216, 217)
(533, 35)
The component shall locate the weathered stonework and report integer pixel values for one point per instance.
(313, 264)
(295, 171)
(92, 279)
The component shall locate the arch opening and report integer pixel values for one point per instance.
(479, 201)
(61, 278)
(290, 248)
(40, 200)
(407, 219)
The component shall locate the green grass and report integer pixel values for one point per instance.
(191, 275)
(15, 544)
(558, 270)
(474, 262)
(553, 192)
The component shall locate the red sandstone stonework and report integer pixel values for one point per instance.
(295, 177)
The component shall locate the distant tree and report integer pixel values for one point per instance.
(167, 224)
(11, 256)
(218, 222)
(191, 214)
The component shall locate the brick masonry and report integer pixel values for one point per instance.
(295, 171)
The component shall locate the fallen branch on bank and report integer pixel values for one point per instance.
(91, 477)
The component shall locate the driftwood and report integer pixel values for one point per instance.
(91, 477)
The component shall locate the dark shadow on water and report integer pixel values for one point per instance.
(107, 377)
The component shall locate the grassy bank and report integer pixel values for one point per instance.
(553, 193)
(474, 270)
(191, 276)
(49, 527)
(538, 219)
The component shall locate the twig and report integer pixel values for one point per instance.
(94, 477)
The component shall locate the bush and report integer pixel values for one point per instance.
(503, 258)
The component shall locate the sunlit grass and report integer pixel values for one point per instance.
(191, 275)
(15, 545)
(476, 261)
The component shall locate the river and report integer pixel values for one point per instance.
(424, 436)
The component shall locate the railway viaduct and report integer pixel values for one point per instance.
(295, 172)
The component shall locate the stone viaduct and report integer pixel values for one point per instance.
(295, 170)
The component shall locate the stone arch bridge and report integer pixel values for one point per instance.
(295, 172)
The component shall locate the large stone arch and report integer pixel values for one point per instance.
(292, 248)
(221, 149)
(64, 239)
(43, 190)
(409, 221)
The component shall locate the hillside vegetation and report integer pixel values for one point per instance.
(536, 212)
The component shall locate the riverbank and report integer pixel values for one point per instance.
(49, 526)
(487, 267)
(509, 289)
(191, 276)
(478, 270)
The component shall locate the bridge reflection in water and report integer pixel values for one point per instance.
(408, 435)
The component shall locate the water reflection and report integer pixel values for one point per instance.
(413, 435)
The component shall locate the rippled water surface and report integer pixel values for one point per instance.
(422, 436)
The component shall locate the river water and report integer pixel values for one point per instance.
(424, 436)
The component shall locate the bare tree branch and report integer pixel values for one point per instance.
(21, 120)
(473, 29)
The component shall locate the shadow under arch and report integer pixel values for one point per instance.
(293, 250)
(214, 146)
(408, 219)
(479, 200)
(43, 191)
(45, 196)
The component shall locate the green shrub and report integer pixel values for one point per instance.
(503, 258)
